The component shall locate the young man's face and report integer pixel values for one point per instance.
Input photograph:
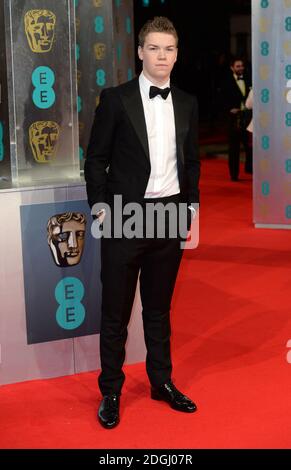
(159, 54)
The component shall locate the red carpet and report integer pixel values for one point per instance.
(231, 322)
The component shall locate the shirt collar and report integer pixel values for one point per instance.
(236, 76)
(145, 84)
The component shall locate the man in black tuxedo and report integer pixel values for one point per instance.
(236, 87)
(143, 147)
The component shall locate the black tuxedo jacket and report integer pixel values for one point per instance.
(231, 92)
(118, 161)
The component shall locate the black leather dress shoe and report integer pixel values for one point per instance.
(169, 393)
(108, 413)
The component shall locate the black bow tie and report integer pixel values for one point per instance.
(154, 91)
(240, 77)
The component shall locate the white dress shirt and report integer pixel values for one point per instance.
(161, 132)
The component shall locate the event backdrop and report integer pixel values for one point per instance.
(50, 264)
(61, 271)
(5, 167)
(271, 26)
(41, 71)
(105, 55)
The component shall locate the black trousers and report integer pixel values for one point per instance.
(236, 136)
(157, 260)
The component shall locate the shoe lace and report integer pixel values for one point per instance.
(171, 388)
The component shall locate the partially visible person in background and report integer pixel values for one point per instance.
(235, 91)
(249, 105)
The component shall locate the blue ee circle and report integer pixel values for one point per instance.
(43, 79)
(71, 312)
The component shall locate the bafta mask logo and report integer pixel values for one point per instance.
(264, 119)
(81, 128)
(97, 3)
(263, 210)
(287, 142)
(287, 189)
(264, 72)
(100, 50)
(77, 24)
(43, 139)
(287, 47)
(264, 165)
(264, 24)
(40, 29)
(79, 76)
(66, 237)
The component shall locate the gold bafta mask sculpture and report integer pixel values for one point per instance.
(97, 3)
(287, 142)
(264, 72)
(100, 50)
(43, 139)
(79, 76)
(77, 24)
(264, 24)
(66, 237)
(264, 165)
(287, 47)
(264, 119)
(40, 29)
(81, 128)
(287, 188)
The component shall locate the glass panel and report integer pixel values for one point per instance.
(41, 69)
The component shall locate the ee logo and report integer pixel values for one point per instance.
(71, 312)
(43, 79)
(265, 188)
(265, 142)
(99, 24)
(100, 77)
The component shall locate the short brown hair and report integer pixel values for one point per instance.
(159, 24)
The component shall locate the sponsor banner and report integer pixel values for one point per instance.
(42, 91)
(272, 111)
(104, 53)
(61, 269)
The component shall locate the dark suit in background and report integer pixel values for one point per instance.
(237, 124)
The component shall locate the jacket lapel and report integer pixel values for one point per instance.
(132, 102)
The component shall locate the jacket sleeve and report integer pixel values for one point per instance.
(99, 149)
(191, 155)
